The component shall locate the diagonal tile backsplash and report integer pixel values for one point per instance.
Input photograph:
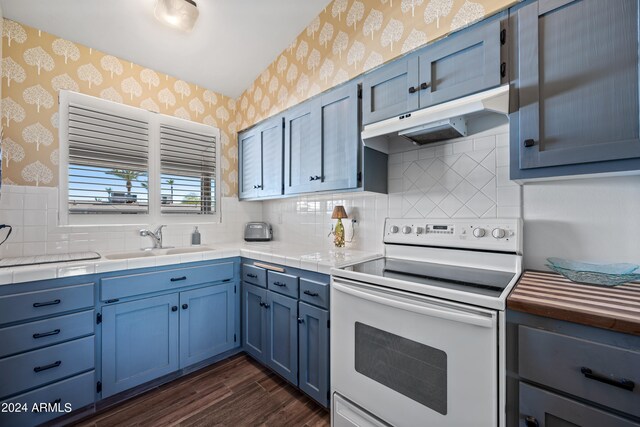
(457, 179)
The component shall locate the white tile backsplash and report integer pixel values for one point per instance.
(462, 178)
(33, 214)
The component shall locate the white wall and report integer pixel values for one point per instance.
(589, 219)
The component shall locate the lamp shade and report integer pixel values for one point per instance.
(339, 212)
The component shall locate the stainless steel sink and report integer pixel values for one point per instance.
(156, 252)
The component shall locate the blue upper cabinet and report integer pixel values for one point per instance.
(261, 160)
(322, 142)
(303, 147)
(459, 65)
(340, 139)
(388, 91)
(139, 342)
(250, 149)
(207, 323)
(577, 78)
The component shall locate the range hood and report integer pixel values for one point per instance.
(438, 123)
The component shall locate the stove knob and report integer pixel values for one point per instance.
(479, 232)
(419, 230)
(394, 229)
(406, 229)
(498, 233)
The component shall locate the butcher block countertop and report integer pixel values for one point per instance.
(551, 295)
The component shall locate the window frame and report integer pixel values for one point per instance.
(154, 120)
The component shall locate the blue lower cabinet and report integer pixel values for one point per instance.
(139, 342)
(207, 323)
(254, 321)
(282, 335)
(313, 348)
(47, 403)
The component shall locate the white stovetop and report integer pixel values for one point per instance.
(273, 252)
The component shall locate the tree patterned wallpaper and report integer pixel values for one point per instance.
(36, 65)
(348, 38)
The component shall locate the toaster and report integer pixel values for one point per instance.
(258, 232)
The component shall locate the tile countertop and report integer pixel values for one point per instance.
(272, 252)
(550, 295)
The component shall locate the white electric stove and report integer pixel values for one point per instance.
(417, 336)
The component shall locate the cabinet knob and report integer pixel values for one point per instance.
(529, 143)
(300, 320)
(185, 306)
(266, 305)
(424, 85)
(174, 308)
(530, 421)
(311, 178)
(413, 89)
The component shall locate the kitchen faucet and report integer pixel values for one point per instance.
(156, 236)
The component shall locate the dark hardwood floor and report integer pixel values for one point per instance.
(234, 392)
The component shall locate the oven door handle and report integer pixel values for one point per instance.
(416, 307)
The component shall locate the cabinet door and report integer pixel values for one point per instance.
(578, 71)
(544, 409)
(389, 91)
(271, 134)
(460, 65)
(139, 342)
(340, 138)
(207, 323)
(302, 148)
(254, 321)
(282, 335)
(313, 351)
(250, 169)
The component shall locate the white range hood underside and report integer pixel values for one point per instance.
(383, 135)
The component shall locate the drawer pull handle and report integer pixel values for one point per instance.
(253, 276)
(44, 304)
(280, 284)
(177, 279)
(311, 294)
(621, 383)
(530, 421)
(44, 368)
(46, 334)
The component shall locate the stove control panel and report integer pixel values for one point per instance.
(486, 234)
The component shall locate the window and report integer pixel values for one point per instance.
(187, 170)
(121, 164)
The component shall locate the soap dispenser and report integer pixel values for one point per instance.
(195, 237)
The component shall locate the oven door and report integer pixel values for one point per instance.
(413, 360)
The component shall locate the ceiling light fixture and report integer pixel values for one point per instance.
(181, 14)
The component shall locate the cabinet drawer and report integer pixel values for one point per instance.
(29, 336)
(546, 409)
(76, 392)
(285, 284)
(143, 283)
(583, 368)
(17, 307)
(316, 293)
(254, 275)
(43, 366)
